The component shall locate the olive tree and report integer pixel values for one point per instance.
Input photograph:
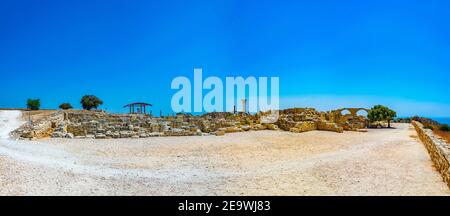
(89, 102)
(381, 113)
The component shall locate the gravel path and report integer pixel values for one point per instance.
(379, 162)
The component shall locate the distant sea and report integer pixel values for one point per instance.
(442, 120)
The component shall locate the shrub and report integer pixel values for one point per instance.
(428, 127)
(90, 102)
(444, 127)
(65, 106)
(33, 104)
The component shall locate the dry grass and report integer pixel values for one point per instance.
(442, 134)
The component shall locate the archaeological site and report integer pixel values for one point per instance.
(102, 125)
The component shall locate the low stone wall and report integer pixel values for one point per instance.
(438, 149)
(302, 120)
(41, 128)
(104, 125)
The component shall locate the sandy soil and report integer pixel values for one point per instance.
(378, 162)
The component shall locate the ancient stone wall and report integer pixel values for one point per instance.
(103, 125)
(329, 126)
(303, 126)
(351, 121)
(41, 128)
(299, 120)
(438, 149)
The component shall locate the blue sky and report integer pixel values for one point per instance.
(326, 53)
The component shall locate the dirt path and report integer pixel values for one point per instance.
(379, 162)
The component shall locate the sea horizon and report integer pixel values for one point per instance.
(442, 120)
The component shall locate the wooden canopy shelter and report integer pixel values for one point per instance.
(137, 107)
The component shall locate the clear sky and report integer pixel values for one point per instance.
(326, 53)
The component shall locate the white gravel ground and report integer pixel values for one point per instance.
(379, 162)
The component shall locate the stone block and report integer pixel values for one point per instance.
(69, 136)
(100, 136)
(220, 133)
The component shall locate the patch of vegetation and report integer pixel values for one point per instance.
(89, 102)
(444, 128)
(65, 106)
(33, 104)
(428, 127)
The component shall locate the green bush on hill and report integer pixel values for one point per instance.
(90, 102)
(65, 106)
(33, 104)
(428, 127)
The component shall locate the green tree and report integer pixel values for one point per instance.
(33, 104)
(381, 113)
(65, 106)
(90, 102)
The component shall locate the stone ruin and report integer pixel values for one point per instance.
(102, 125)
(308, 119)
